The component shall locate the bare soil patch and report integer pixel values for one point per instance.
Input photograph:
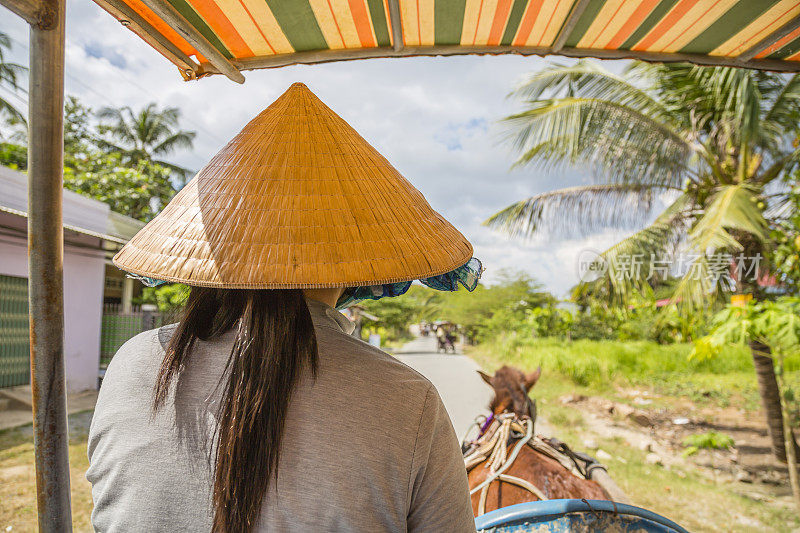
(658, 426)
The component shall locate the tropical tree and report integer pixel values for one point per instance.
(9, 79)
(718, 143)
(774, 325)
(137, 190)
(147, 134)
(488, 309)
(786, 255)
(80, 134)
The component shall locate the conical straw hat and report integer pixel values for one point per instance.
(298, 199)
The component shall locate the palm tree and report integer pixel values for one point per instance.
(9, 78)
(144, 135)
(719, 143)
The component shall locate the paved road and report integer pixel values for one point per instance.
(463, 392)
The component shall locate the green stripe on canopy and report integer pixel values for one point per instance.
(297, 20)
(514, 19)
(378, 16)
(584, 22)
(448, 18)
(730, 23)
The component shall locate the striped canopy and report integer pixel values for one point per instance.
(226, 36)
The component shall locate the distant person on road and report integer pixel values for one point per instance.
(259, 411)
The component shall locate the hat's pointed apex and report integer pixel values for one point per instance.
(298, 88)
(296, 101)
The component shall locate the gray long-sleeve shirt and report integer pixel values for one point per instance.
(368, 445)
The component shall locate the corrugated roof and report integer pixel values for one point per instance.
(208, 36)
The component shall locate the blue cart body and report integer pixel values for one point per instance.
(565, 516)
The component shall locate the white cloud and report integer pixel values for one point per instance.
(435, 119)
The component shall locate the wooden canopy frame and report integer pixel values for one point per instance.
(45, 230)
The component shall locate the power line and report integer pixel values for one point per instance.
(144, 90)
(11, 92)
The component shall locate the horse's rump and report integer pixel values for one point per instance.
(525, 468)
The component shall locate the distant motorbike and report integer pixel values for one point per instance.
(446, 344)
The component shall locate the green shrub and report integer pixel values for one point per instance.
(169, 297)
(592, 327)
(711, 440)
(14, 156)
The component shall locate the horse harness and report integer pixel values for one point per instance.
(498, 433)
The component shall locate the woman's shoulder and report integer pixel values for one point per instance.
(350, 354)
(141, 353)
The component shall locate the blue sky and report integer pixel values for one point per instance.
(435, 119)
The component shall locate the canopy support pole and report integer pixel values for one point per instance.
(569, 25)
(769, 40)
(175, 20)
(45, 259)
(397, 25)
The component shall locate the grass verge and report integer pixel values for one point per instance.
(598, 368)
(18, 478)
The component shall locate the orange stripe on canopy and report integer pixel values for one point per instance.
(549, 21)
(528, 21)
(665, 25)
(499, 22)
(636, 18)
(164, 29)
(363, 25)
(216, 19)
(253, 34)
(698, 21)
(258, 28)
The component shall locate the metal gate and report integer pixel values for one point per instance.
(15, 367)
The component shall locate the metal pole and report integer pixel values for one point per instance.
(45, 256)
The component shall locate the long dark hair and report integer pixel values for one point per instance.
(274, 341)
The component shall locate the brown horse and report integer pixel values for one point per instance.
(549, 476)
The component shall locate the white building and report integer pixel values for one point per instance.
(92, 233)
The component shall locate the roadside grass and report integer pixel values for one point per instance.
(598, 368)
(18, 479)
(602, 366)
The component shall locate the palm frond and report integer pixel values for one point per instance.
(180, 139)
(109, 146)
(576, 210)
(713, 101)
(633, 261)
(10, 73)
(784, 114)
(588, 79)
(624, 144)
(182, 172)
(732, 207)
(14, 115)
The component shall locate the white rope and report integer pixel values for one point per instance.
(527, 485)
(507, 461)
